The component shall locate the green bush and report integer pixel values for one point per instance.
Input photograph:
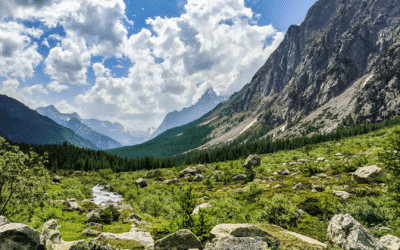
(89, 205)
(106, 216)
(310, 169)
(106, 173)
(278, 210)
(228, 210)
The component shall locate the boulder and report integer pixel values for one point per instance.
(240, 236)
(206, 198)
(96, 244)
(18, 236)
(271, 178)
(391, 242)
(292, 163)
(135, 234)
(277, 186)
(349, 234)
(98, 226)
(199, 169)
(239, 177)
(182, 239)
(153, 174)
(198, 178)
(134, 216)
(141, 182)
(114, 210)
(338, 154)
(299, 213)
(215, 172)
(57, 179)
(197, 208)
(253, 161)
(172, 181)
(93, 216)
(317, 188)
(50, 232)
(91, 232)
(299, 186)
(72, 205)
(342, 194)
(368, 174)
(286, 172)
(321, 159)
(3, 221)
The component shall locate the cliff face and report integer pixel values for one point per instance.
(345, 51)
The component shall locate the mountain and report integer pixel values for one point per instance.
(76, 123)
(207, 102)
(22, 124)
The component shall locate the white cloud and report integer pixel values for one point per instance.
(213, 43)
(64, 107)
(38, 88)
(10, 87)
(56, 86)
(68, 63)
(18, 55)
(46, 43)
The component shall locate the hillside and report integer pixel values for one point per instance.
(21, 124)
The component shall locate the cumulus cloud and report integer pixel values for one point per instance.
(10, 87)
(18, 55)
(68, 63)
(214, 43)
(64, 107)
(56, 87)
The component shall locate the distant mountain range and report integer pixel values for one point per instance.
(24, 125)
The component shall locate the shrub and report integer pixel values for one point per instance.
(228, 210)
(277, 210)
(106, 216)
(310, 169)
(106, 173)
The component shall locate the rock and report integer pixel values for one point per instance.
(201, 206)
(182, 239)
(252, 161)
(339, 154)
(72, 205)
(198, 178)
(299, 213)
(239, 177)
(301, 160)
(299, 186)
(348, 233)
(96, 244)
(206, 198)
(240, 236)
(93, 216)
(91, 232)
(321, 159)
(18, 236)
(381, 228)
(114, 210)
(308, 239)
(199, 169)
(57, 179)
(390, 241)
(169, 171)
(318, 188)
(98, 226)
(277, 186)
(271, 178)
(153, 174)
(135, 234)
(342, 194)
(141, 182)
(50, 232)
(3, 221)
(125, 207)
(286, 172)
(172, 181)
(88, 201)
(215, 172)
(368, 174)
(134, 216)
(292, 163)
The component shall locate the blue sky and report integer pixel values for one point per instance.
(133, 61)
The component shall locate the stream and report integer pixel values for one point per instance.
(100, 195)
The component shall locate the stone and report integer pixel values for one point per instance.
(277, 186)
(299, 186)
(308, 239)
(271, 178)
(252, 161)
(93, 216)
(135, 234)
(198, 178)
(317, 188)
(206, 198)
(50, 232)
(72, 205)
(96, 244)
(292, 163)
(301, 160)
(98, 226)
(239, 177)
(321, 159)
(91, 232)
(18, 236)
(201, 206)
(349, 234)
(170, 182)
(56, 179)
(169, 171)
(368, 174)
(299, 213)
(381, 228)
(192, 171)
(134, 216)
(391, 242)
(182, 239)
(240, 236)
(339, 154)
(286, 172)
(3, 220)
(153, 174)
(215, 172)
(125, 207)
(113, 208)
(141, 182)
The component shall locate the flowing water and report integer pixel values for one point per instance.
(100, 195)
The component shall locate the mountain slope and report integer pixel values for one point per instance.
(207, 102)
(341, 64)
(21, 124)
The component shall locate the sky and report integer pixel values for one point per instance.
(133, 61)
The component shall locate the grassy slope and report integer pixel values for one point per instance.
(155, 203)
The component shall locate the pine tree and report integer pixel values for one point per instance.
(187, 202)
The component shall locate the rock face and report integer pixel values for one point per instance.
(192, 171)
(391, 242)
(368, 174)
(201, 206)
(141, 182)
(182, 239)
(253, 161)
(240, 236)
(18, 236)
(349, 234)
(72, 205)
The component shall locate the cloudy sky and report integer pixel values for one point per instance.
(133, 61)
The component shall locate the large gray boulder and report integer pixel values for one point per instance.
(201, 206)
(342, 194)
(170, 182)
(194, 170)
(50, 232)
(18, 236)
(299, 186)
(72, 205)
(93, 216)
(240, 236)
(91, 232)
(141, 182)
(391, 242)
(3, 221)
(135, 234)
(368, 174)
(153, 174)
(349, 234)
(180, 240)
(198, 178)
(252, 161)
(56, 179)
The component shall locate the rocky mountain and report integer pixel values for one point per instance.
(342, 64)
(22, 124)
(207, 102)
